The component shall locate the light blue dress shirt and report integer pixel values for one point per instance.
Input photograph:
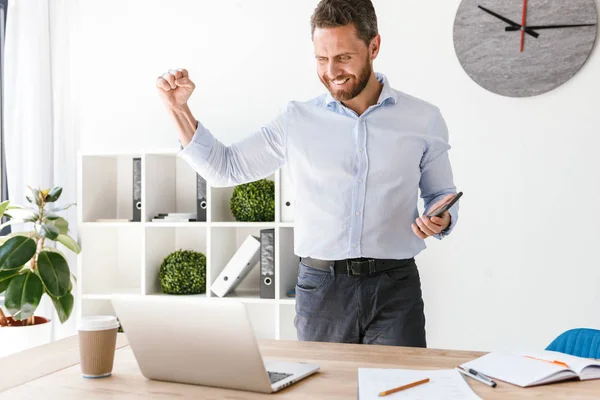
(356, 178)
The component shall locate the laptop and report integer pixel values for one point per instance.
(205, 342)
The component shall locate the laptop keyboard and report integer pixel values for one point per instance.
(277, 376)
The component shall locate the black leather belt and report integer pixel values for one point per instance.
(357, 266)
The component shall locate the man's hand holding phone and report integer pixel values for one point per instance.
(436, 220)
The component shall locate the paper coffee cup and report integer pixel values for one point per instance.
(97, 343)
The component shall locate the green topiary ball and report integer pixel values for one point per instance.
(254, 201)
(183, 272)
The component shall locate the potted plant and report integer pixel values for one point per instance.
(183, 272)
(30, 268)
(254, 201)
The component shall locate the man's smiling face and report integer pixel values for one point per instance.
(343, 61)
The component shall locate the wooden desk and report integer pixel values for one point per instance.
(52, 372)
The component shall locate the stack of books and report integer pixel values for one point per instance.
(175, 217)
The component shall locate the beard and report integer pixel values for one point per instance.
(357, 83)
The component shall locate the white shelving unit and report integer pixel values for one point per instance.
(125, 257)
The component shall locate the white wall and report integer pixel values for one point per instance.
(522, 265)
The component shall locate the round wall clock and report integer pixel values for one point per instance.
(522, 48)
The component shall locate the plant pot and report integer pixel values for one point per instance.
(18, 338)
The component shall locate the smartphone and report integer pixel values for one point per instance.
(445, 207)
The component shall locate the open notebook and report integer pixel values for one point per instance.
(535, 368)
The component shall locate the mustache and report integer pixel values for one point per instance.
(339, 78)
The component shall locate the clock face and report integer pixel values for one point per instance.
(503, 57)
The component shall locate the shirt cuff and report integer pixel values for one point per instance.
(453, 219)
(200, 146)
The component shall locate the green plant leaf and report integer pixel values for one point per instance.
(20, 213)
(33, 218)
(23, 295)
(36, 196)
(50, 216)
(62, 225)
(5, 277)
(4, 239)
(55, 273)
(50, 231)
(63, 306)
(15, 252)
(55, 250)
(54, 194)
(62, 208)
(3, 207)
(69, 243)
(4, 285)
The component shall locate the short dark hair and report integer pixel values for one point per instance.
(334, 13)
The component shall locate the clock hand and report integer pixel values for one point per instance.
(518, 28)
(508, 21)
(523, 24)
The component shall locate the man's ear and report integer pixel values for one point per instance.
(374, 47)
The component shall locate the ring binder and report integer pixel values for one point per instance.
(267, 264)
(137, 189)
(201, 199)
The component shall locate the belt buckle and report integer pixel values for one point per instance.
(359, 270)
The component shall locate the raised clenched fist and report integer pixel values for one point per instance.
(175, 87)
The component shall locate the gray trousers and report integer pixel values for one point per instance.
(384, 308)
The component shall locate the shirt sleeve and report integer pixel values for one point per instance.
(436, 173)
(253, 158)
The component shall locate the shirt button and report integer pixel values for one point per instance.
(362, 149)
(354, 245)
(360, 180)
(357, 213)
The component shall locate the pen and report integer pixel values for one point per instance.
(549, 361)
(471, 373)
(390, 391)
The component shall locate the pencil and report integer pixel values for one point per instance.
(403, 387)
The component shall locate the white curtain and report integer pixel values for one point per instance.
(41, 136)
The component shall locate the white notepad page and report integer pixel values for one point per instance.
(445, 384)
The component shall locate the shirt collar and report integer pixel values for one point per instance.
(386, 92)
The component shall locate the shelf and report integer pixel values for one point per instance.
(111, 224)
(159, 225)
(262, 225)
(111, 259)
(170, 186)
(224, 243)
(108, 296)
(246, 296)
(190, 297)
(220, 204)
(263, 316)
(164, 241)
(107, 187)
(124, 257)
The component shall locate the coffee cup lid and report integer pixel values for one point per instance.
(98, 323)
